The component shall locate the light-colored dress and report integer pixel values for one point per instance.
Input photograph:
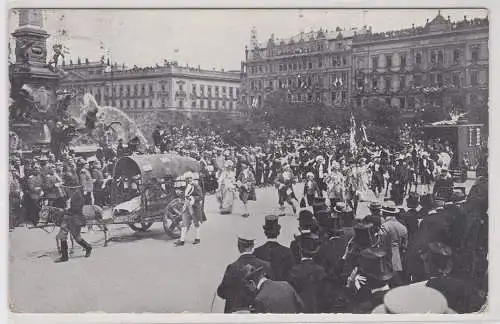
(226, 191)
(335, 183)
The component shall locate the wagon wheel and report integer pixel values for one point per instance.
(172, 218)
(140, 227)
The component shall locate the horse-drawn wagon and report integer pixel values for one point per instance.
(145, 189)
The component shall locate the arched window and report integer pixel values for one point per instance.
(418, 58)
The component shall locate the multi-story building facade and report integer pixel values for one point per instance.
(442, 63)
(168, 88)
(311, 67)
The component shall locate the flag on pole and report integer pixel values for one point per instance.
(352, 137)
(363, 128)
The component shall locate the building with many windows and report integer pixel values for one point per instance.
(311, 67)
(442, 63)
(167, 88)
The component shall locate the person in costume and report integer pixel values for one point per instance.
(246, 186)
(227, 188)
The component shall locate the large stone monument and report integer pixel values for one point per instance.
(33, 84)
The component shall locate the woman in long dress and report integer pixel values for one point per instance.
(246, 185)
(227, 187)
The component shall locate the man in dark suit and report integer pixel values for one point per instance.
(307, 227)
(279, 256)
(234, 288)
(462, 296)
(277, 297)
(308, 277)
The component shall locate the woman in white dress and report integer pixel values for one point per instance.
(227, 188)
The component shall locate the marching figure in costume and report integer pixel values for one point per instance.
(246, 185)
(227, 187)
(311, 189)
(335, 183)
(193, 209)
(284, 183)
(72, 222)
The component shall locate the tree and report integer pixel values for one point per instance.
(431, 114)
(383, 122)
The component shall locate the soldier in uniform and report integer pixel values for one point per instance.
(280, 257)
(35, 193)
(73, 222)
(234, 288)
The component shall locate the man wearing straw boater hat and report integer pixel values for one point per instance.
(393, 238)
(73, 221)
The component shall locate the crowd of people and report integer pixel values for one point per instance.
(341, 261)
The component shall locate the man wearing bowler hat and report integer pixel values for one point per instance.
(280, 257)
(308, 277)
(277, 297)
(234, 288)
(393, 238)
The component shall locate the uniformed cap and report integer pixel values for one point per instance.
(413, 299)
(246, 238)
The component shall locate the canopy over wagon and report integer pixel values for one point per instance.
(144, 185)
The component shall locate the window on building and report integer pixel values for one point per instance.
(403, 60)
(320, 63)
(143, 90)
(136, 104)
(209, 90)
(344, 96)
(344, 77)
(388, 101)
(309, 65)
(121, 91)
(474, 136)
(474, 80)
(181, 104)
(270, 68)
(181, 87)
(402, 102)
(163, 87)
(150, 88)
(202, 90)
(223, 104)
(418, 58)
(217, 91)
(433, 57)
(309, 97)
(209, 105)
(230, 92)
(217, 104)
(193, 104)
(388, 61)
(440, 57)
(411, 102)
(456, 56)
(163, 103)
(230, 105)
(456, 79)
(321, 81)
(136, 90)
(375, 83)
(270, 85)
(439, 79)
(402, 83)
(193, 89)
(375, 63)
(237, 92)
(387, 84)
(417, 80)
(344, 60)
(202, 104)
(260, 68)
(143, 104)
(224, 90)
(475, 53)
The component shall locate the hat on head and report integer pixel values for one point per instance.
(363, 234)
(228, 164)
(390, 208)
(375, 205)
(309, 245)
(457, 196)
(251, 273)
(341, 207)
(427, 201)
(335, 165)
(306, 219)
(413, 299)
(413, 200)
(376, 263)
(310, 175)
(271, 223)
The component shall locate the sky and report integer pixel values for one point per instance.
(210, 38)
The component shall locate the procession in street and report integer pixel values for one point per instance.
(128, 214)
